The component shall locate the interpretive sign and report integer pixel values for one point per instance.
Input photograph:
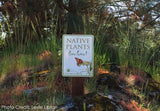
(77, 55)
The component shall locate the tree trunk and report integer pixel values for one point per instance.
(75, 22)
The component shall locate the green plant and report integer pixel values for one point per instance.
(100, 59)
(91, 84)
(84, 106)
(106, 90)
(59, 99)
(136, 49)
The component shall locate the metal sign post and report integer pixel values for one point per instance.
(77, 60)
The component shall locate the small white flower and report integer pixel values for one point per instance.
(3, 35)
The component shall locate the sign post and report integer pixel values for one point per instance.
(77, 60)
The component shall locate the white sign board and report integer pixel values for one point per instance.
(77, 55)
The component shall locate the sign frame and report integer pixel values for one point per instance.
(63, 55)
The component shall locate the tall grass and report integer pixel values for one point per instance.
(136, 49)
(22, 46)
(27, 38)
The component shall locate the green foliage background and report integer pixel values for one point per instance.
(32, 26)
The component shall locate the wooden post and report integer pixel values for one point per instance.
(75, 25)
(77, 86)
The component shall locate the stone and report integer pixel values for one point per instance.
(106, 80)
(33, 91)
(92, 102)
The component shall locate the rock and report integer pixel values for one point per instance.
(108, 87)
(153, 89)
(138, 79)
(155, 95)
(92, 102)
(47, 57)
(115, 68)
(39, 76)
(33, 91)
(10, 79)
(106, 80)
(66, 106)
